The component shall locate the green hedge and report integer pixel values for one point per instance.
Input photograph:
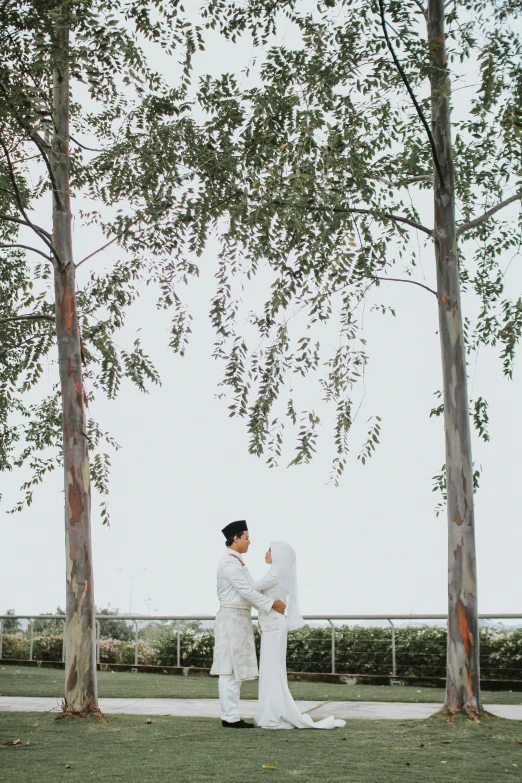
(361, 650)
(195, 650)
(420, 650)
(501, 654)
(45, 648)
(15, 647)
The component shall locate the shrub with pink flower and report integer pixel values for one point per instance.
(115, 651)
(47, 648)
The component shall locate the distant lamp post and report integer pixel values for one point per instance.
(149, 601)
(131, 574)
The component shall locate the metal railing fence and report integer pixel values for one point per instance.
(384, 648)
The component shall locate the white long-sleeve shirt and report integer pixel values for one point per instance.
(268, 581)
(235, 586)
(269, 585)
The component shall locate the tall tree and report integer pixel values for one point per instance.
(463, 664)
(77, 70)
(80, 682)
(11, 626)
(323, 155)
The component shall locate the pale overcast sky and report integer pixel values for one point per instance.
(373, 545)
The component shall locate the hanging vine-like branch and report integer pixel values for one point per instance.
(412, 96)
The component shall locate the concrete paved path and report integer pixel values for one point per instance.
(209, 708)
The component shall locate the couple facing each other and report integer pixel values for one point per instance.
(235, 657)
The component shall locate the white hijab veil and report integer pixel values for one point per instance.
(283, 563)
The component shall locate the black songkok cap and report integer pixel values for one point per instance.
(235, 528)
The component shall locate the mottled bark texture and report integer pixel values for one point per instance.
(463, 675)
(80, 658)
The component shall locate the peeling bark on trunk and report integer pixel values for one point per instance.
(80, 659)
(463, 673)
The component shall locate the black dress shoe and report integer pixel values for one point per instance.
(239, 724)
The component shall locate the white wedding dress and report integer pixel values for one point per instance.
(276, 708)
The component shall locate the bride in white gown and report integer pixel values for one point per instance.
(276, 708)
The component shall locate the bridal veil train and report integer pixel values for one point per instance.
(276, 707)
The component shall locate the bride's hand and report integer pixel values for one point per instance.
(279, 606)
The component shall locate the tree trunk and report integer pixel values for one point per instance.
(463, 673)
(80, 659)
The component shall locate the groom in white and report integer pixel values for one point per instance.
(234, 648)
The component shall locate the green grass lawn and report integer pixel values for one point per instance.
(28, 681)
(186, 750)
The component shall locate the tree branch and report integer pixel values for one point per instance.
(37, 317)
(405, 280)
(108, 244)
(482, 218)
(14, 183)
(412, 96)
(40, 144)
(27, 247)
(133, 222)
(12, 219)
(402, 183)
(18, 198)
(41, 147)
(9, 192)
(25, 342)
(387, 216)
(16, 191)
(349, 210)
(391, 280)
(423, 10)
(83, 147)
(417, 178)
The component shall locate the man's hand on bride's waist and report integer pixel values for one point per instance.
(279, 606)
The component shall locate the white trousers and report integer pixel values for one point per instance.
(229, 691)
